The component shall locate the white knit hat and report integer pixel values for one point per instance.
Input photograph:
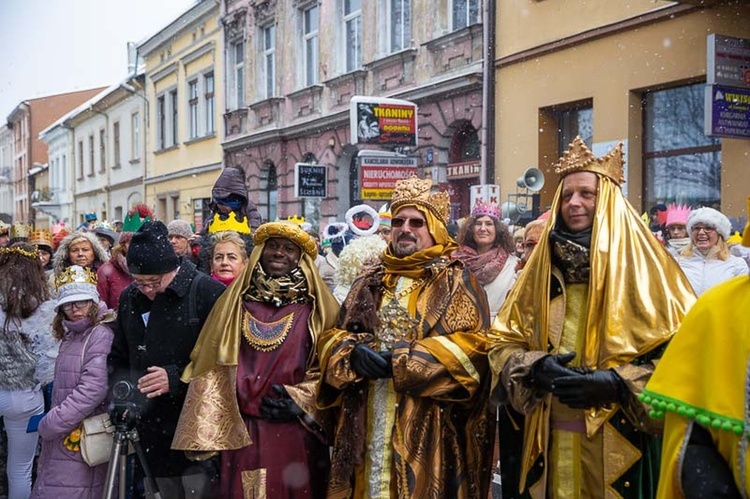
(76, 283)
(712, 218)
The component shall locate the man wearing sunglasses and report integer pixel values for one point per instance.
(579, 335)
(159, 318)
(408, 368)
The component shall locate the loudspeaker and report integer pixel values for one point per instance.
(532, 179)
(512, 211)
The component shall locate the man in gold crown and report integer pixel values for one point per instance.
(407, 365)
(577, 338)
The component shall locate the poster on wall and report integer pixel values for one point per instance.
(380, 170)
(310, 181)
(382, 121)
(727, 112)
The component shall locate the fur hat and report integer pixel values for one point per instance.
(76, 283)
(179, 228)
(710, 217)
(149, 252)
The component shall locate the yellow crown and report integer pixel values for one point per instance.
(41, 237)
(579, 158)
(414, 190)
(230, 223)
(20, 231)
(75, 274)
(295, 219)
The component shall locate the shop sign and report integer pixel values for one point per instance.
(469, 169)
(728, 61)
(381, 121)
(379, 174)
(727, 112)
(310, 181)
(485, 193)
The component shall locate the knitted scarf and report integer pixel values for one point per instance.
(485, 266)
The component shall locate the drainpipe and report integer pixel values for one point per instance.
(487, 173)
(107, 187)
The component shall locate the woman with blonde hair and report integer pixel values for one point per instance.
(227, 256)
(707, 261)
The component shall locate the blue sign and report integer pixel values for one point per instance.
(727, 112)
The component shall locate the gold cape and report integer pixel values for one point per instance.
(211, 402)
(703, 377)
(637, 296)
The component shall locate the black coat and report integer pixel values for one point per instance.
(166, 342)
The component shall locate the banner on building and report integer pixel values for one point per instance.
(728, 61)
(310, 181)
(380, 170)
(381, 121)
(727, 112)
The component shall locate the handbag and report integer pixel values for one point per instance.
(96, 432)
(96, 439)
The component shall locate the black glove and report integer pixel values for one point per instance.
(705, 473)
(546, 370)
(281, 409)
(594, 389)
(370, 364)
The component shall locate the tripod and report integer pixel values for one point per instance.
(126, 433)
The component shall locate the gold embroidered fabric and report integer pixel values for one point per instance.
(254, 484)
(209, 421)
(266, 336)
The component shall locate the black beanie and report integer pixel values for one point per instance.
(149, 252)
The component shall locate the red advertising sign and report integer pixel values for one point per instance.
(383, 121)
(379, 174)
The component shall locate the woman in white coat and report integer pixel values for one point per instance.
(487, 248)
(707, 260)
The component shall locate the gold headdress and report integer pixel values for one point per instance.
(20, 231)
(229, 223)
(41, 237)
(76, 274)
(287, 230)
(414, 190)
(295, 219)
(579, 158)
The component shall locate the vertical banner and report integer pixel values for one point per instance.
(381, 121)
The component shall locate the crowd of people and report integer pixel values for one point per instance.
(386, 357)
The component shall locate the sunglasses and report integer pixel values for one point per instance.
(414, 223)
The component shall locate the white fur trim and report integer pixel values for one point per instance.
(367, 209)
(711, 217)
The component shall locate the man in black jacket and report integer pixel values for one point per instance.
(159, 318)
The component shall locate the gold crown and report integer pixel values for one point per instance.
(20, 231)
(41, 237)
(414, 190)
(295, 219)
(579, 158)
(230, 223)
(76, 274)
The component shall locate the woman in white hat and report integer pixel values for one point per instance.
(707, 261)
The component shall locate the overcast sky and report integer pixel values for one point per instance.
(55, 46)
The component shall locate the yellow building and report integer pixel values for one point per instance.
(184, 78)
(610, 70)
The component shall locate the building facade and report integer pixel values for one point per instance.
(6, 174)
(292, 67)
(29, 153)
(184, 71)
(619, 71)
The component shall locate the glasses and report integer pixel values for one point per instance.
(707, 230)
(153, 284)
(384, 232)
(78, 305)
(414, 223)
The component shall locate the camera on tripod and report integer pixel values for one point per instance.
(125, 407)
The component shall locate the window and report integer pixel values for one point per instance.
(464, 13)
(236, 76)
(161, 122)
(116, 142)
(173, 104)
(63, 185)
(680, 164)
(399, 15)
(353, 34)
(193, 108)
(268, 61)
(210, 103)
(135, 139)
(80, 159)
(272, 193)
(91, 155)
(573, 122)
(310, 45)
(102, 150)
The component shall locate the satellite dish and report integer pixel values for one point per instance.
(532, 179)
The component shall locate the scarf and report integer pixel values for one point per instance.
(278, 291)
(226, 281)
(571, 257)
(679, 244)
(485, 266)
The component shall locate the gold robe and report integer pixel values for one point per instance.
(434, 412)
(635, 299)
